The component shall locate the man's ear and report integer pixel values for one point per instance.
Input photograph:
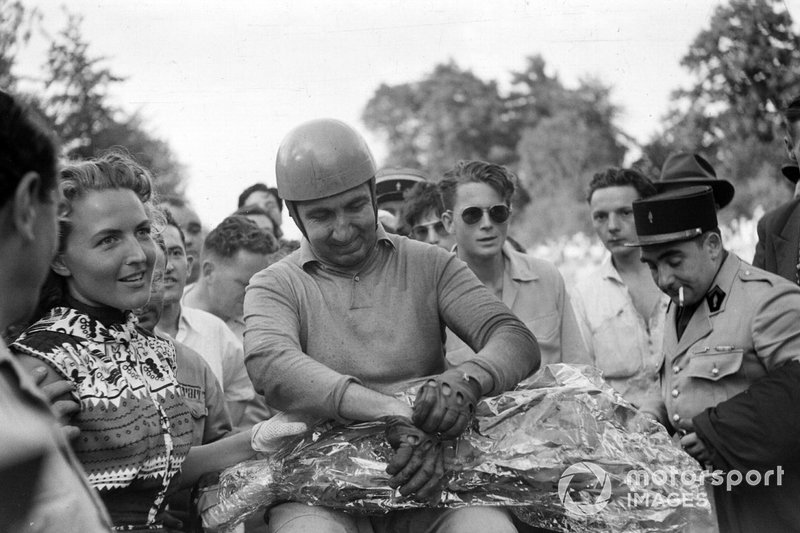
(27, 198)
(447, 220)
(713, 244)
(58, 266)
(206, 268)
(189, 262)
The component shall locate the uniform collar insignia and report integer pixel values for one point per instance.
(714, 298)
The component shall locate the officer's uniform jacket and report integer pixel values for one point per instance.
(748, 324)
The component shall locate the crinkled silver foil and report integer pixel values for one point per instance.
(522, 443)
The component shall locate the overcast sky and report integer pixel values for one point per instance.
(223, 81)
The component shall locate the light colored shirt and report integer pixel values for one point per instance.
(534, 290)
(622, 343)
(61, 498)
(211, 338)
(312, 330)
(203, 395)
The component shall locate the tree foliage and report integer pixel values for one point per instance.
(16, 23)
(450, 114)
(745, 65)
(554, 137)
(75, 95)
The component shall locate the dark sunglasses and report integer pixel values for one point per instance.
(420, 231)
(498, 213)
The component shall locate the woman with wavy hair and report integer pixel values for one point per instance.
(135, 428)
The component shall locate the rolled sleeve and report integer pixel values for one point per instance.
(504, 346)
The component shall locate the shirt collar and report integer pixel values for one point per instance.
(726, 273)
(517, 267)
(307, 254)
(609, 271)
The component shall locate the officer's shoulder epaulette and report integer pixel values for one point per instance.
(751, 273)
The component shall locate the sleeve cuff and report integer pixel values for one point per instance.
(338, 394)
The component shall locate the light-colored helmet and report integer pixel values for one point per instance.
(321, 158)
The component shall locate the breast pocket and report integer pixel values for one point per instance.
(199, 414)
(715, 365)
(547, 330)
(717, 376)
(617, 349)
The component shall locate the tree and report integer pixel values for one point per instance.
(553, 136)
(566, 136)
(745, 66)
(74, 95)
(450, 114)
(77, 99)
(77, 91)
(746, 63)
(16, 24)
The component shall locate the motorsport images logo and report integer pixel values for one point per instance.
(588, 475)
(659, 488)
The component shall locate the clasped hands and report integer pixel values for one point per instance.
(444, 407)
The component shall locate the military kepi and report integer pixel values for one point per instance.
(676, 215)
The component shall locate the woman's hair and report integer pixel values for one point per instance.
(498, 177)
(112, 170)
(25, 146)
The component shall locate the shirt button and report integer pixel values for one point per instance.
(676, 369)
(714, 371)
(675, 393)
(357, 278)
(676, 417)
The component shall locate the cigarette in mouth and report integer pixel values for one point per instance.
(680, 295)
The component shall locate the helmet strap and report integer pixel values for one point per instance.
(292, 207)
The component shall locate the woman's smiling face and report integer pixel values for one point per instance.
(109, 254)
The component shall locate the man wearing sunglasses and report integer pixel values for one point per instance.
(422, 213)
(477, 197)
(355, 315)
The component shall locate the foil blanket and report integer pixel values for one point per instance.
(563, 451)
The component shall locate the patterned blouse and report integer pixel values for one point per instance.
(135, 427)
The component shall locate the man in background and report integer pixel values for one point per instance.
(778, 247)
(192, 229)
(619, 308)
(422, 214)
(390, 186)
(200, 330)
(268, 199)
(232, 253)
(687, 169)
(43, 485)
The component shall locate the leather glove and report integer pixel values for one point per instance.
(417, 464)
(446, 403)
(266, 436)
